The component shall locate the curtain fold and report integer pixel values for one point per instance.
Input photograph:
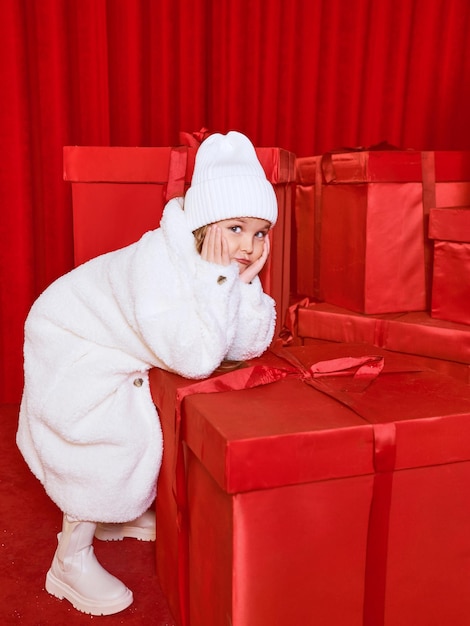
(308, 75)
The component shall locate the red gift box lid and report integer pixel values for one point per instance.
(413, 333)
(287, 433)
(450, 224)
(95, 164)
(419, 333)
(362, 165)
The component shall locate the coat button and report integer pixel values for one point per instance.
(221, 280)
(138, 382)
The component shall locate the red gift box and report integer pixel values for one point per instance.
(434, 344)
(343, 506)
(361, 225)
(119, 193)
(450, 228)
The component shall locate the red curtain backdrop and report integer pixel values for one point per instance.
(305, 75)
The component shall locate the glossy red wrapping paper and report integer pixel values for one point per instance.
(358, 212)
(434, 344)
(450, 224)
(450, 228)
(118, 193)
(451, 282)
(365, 228)
(317, 507)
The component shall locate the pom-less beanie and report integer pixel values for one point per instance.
(228, 181)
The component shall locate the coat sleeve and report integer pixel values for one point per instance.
(195, 322)
(211, 317)
(256, 321)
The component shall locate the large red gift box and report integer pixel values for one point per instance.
(118, 193)
(450, 228)
(361, 225)
(434, 344)
(315, 500)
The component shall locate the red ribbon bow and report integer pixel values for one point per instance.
(194, 139)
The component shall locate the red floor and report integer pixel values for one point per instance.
(29, 523)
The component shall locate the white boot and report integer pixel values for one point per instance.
(76, 575)
(142, 528)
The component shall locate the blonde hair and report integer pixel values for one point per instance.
(199, 235)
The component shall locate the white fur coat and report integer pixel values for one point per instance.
(88, 428)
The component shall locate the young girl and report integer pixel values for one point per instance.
(183, 298)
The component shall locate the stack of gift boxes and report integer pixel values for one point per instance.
(323, 483)
(382, 250)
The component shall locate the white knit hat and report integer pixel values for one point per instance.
(228, 181)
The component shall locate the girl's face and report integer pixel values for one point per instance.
(245, 237)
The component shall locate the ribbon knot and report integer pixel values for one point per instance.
(361, 371)
(195, 138)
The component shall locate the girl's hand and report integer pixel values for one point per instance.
(255, 268)
(215, 247)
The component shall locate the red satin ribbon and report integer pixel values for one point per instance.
(317, 228)
(363, 367)
(362, 371)
(289, 330)
(429, 201)
(176, 173)
(379, 522)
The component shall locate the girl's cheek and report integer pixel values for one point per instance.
(259, 248)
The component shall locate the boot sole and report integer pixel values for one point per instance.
(118, 534)
(60, 590)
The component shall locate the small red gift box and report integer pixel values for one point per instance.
(119, 193)
(361, 225)
(434, 344)
(315, 500)
(450, 228)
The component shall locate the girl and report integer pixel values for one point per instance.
(183, 298)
